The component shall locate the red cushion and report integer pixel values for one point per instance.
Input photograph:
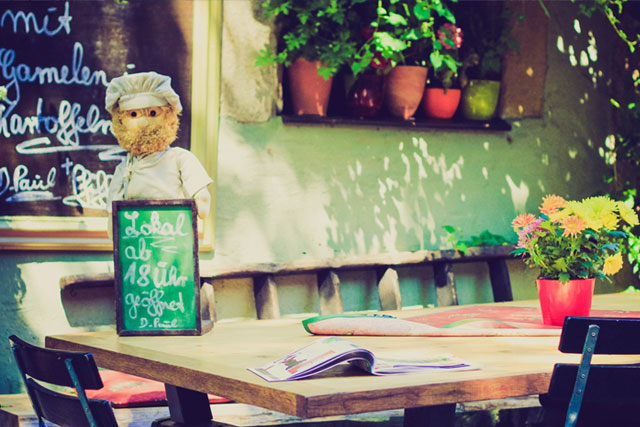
(129, 391)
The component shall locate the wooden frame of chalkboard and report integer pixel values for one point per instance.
(157, 278)
(54, 141)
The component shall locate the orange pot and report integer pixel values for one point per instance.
(309, 90)
(403, 90)
(558, 300)
(439, 104)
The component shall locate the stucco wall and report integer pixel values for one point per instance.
(293, 192)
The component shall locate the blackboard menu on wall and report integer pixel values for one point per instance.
(157, 280)
(57, 153)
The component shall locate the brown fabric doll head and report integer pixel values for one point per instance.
(145, 130)
(144, 111)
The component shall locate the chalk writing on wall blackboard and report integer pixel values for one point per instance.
(156, 267)
(57, 154)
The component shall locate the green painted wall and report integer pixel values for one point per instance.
(296, 192)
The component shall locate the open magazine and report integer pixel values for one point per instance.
(327, 352)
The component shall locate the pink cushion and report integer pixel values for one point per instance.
(129, 391)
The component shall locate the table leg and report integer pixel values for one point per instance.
(430, 416)
(186, 408)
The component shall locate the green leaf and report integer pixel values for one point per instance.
(436, 59)
(614, 103)
(395, 19)
(449, 229)
(386, 42)
(564, 277)
(412, 34)
(422, 11)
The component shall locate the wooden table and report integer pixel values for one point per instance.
(217, 363)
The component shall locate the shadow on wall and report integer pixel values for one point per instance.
(14, 291)
(397, 212)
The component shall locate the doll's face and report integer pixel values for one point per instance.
(145, 130)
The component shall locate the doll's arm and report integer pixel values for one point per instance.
(203, 202)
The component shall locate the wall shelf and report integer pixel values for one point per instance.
(493, 125)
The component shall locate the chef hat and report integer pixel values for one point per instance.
(141, 90)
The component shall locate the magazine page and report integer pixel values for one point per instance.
(384, 366)
(328, 352)
(311, 359)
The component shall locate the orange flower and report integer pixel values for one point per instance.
(572, 225)
(551, 204)
(523, 220)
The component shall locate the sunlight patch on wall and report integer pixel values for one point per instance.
(519, 194)
(584, 60)
(567, 177)
(592, 50)
(572, 56)
(609, 155)
(545, 159)
(560, 44)
(576, 26)
(541, 186)
(486, 146)
(407, 173)
(572, 153)
(485, 172)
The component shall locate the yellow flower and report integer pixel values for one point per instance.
(572, 226)
(523, 220)
(628, 214)
(598, 212)
(612, 264)
(551, 204)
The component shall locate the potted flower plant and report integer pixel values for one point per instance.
(442, 93)
(315, 38)
(403, 35)
(573, 243)
(487, 38)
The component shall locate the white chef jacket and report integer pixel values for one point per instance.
(173, 173)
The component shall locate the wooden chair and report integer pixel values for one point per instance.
(595, 395)
(62, 368)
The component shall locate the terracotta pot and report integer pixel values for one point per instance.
(558, 300)
(309, 90)
(366, 95)
(404, 87)
(440, 104)
(480, 99)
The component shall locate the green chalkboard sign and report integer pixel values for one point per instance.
(156, 268)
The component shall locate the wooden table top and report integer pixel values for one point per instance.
(217, 363)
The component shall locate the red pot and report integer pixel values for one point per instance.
(439, 104)
(309, 90)
(558, 300)
(403, 90)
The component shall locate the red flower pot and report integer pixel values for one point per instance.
(403, 90)
(558, 300)
(309, 90)
(439, 104)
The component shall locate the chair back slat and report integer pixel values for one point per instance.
(77, 370)
(49, 365)
(606, 384)
(617, 335)
(67, 410)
